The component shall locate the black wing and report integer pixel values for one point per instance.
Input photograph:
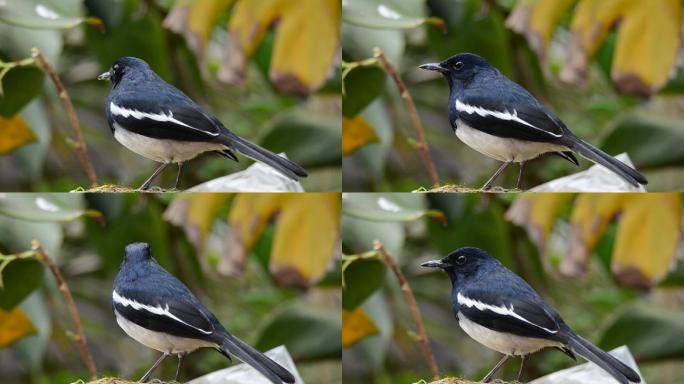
(511, 315)
(167, 308)
(184, 121)
(510, 118)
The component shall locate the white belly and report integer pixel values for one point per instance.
(505, 343)
(162, 150)
(503, 149)
(160, 341)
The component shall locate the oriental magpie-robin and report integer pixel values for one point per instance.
(156, 120)
(157, 310)
(500, 119)
(501, 311)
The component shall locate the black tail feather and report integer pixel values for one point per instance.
(262, 155)
(610, 364)
(594, 154)
(262, 363)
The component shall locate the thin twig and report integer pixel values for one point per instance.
(413, 113)
(73, 119)
(406, 289)
(62, 285)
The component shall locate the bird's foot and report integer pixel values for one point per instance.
(153, 189)
(494, 189)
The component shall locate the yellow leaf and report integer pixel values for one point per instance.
(14, 326)
(356, 133)
(195, 20)
(647, 42)
(14, 133)
(356, 326)
(537, 20)
(648, 38)
(647, 232)
(538, 212)
(647, 239)
(305, 239)
(590, 218)
(195, 213)
(305, 46)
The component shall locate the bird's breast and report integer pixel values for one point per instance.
(162, 150)
(506, 343)
(502, 148)
(162, 342)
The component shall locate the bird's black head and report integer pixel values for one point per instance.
(460, 68)
(123, 66)
(136, 252)
(463, 262)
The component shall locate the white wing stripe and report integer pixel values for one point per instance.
(505, 115)
(158, 310)
(134, 113)
(503, 310)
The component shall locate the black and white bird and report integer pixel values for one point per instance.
(502, 312)
(156, 120)
(159, 311)
(500, 119)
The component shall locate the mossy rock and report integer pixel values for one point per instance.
(114, 380)
(112, 188)
(449, 188)
(452, 380)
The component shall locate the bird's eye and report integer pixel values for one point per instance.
(116, 66)
(458, 66)
(461, 260)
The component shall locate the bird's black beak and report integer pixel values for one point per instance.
(434, 264)
(434, 67)
(105, 76)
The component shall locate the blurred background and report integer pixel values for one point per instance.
(268, 281)
(608, 69)
(610, 264)
(268, 69)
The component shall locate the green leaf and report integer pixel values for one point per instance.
(387, 207)
(469, 224)
(466, 22)
(308, 333)
(309, 140)
(362, 86)
(124, 39)
(387, 14)
(361, 278)
(652, 333)
(359, 235)
(20, 86)
(44, 208)
(20, 278)
(44, 14)
(651, 140)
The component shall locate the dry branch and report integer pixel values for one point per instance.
(69, 107)
(413, 307)
(71, 306)
(413, 113)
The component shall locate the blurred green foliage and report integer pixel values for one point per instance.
(594, 305)
(86, 235)
(646, 129)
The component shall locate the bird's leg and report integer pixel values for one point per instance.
(489, 182)
(149, 373)
(522, 364)
(496, 368)
(180, 364)
(156, 173)
(180, 173)
(520, 175)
